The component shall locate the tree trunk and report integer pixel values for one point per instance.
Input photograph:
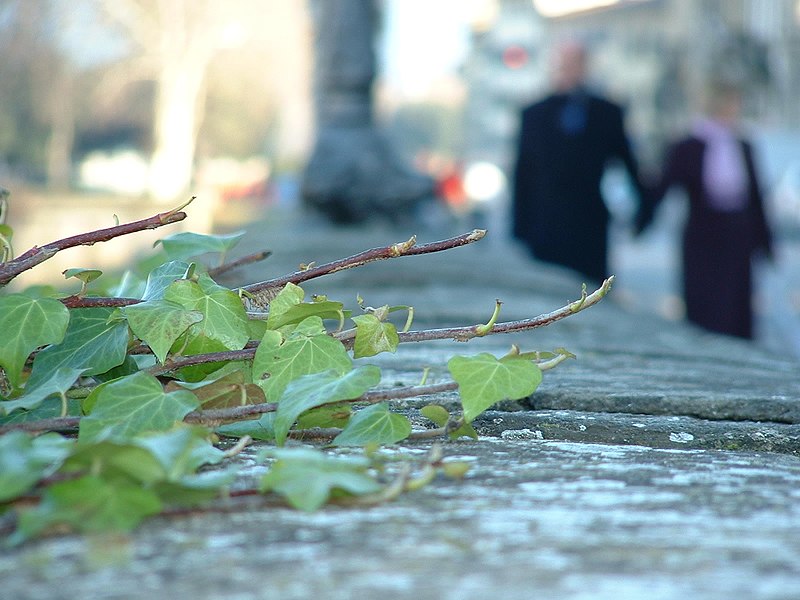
(188, 37)
(62, 132)
(180, 87)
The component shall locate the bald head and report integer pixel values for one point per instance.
(569, 65)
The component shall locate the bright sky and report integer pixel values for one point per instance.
(423, 40)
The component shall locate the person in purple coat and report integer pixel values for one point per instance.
(566, 141)
(726, 225)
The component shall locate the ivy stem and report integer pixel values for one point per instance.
(482, 330)
(463, 334)
(546, 365)
(64, 405)
(238, 447)
(460, 334)
(239, 262)
(265, 290)
(409, 319)
(38, 254)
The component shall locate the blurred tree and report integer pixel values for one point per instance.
(148, 75)
(36, 98)
(176, 41)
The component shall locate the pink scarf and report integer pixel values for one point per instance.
(724, 170)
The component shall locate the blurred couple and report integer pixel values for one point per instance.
(567, 139)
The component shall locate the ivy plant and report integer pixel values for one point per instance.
(117, 407)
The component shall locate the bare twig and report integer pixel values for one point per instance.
(240, 262)
(61, 424)
(97, 302)
(264, 291)
(221, 415)
(236, 413)
(463, 334)
(38, 254)
(407, 392)
(201, 359)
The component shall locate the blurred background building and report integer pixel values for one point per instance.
(114, 102)
(650, 55)
(155, 97)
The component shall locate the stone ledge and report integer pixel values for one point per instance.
(678, 432)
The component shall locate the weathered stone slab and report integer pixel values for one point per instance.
(694, 491)
(652, 431)
(550, 519)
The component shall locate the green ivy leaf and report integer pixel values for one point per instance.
(181, 246)
(158, 323)
(290, 296)
(25, 459)
(58, 383)
(134, 404)
(225, 318)
(42, 291)
(439, 415)
(129, 366)
(46, 410)
(262, 428)
(436, 413)
(228, 387)
(309, 349)
(195, 489)
(180, 450)
(28, 323)
(466, 430)
(308, 478)
(484, 380)
(162, 277)
(297, 313)
(233, 372)
(317, 389)
(92, 342)
(332, 415)
(115, 460)
(89, 504)
(166, 461)
(85, 276)
(129, 286)
(374, 336)
(6, 248)
(199, 345)
(87, 404)
(374, 425)
(256, 328)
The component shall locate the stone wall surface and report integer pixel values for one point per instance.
(661, 463)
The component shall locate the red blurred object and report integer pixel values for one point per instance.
(515, 57)
(450, 188)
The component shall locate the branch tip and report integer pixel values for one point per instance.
(172, 213)
(476, 234)
(402, 247)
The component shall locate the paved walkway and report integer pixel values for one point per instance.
(662, 463)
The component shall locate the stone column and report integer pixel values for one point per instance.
(353, 173)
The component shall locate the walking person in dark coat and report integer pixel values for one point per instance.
(565, 143)
(726, 225)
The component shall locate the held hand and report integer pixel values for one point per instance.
(642, 220)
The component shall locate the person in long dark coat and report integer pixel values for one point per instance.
(565, 143)
(726, 225)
